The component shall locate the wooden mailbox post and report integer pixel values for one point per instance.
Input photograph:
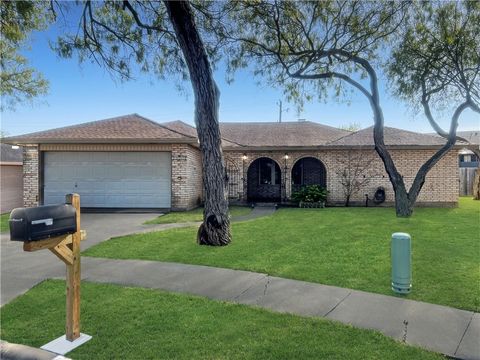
(67, 249)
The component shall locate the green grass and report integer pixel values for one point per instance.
(346, 247)
(195, 215)
(136, 323)
(4, 222)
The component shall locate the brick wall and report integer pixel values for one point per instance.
(187, 188)
(440, 188)
(30, 175)
(441, 184)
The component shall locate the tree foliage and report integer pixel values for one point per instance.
(437, 61)
(287, 42)
(20, 82)
(121, 35)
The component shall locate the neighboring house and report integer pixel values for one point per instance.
(468, 161)
(466, 157)
(133, 162)
(11, 178)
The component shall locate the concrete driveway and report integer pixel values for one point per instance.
(22, 270)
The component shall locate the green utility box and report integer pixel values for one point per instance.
(401, 250)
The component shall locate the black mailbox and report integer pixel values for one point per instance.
(42, 222)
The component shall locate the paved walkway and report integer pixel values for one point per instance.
(256, 213)
(438, 328)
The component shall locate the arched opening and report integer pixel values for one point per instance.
(264, 180)
(308, 171)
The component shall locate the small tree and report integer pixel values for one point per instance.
(354, 173)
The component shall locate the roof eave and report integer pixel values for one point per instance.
(335, 147)
(11, 163)
(270, 148)
(14, 141)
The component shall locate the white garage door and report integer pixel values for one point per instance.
(109, 179)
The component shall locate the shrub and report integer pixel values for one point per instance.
(310, 193)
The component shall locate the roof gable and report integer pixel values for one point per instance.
(272, 134)
(123, 128)
(473, 137)
(392, 136)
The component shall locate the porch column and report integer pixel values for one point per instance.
(286, 177)
(30, 175)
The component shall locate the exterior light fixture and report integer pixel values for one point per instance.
(15, 147)
(286, 156)
(244, 157)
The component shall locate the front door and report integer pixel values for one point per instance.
(264, 181)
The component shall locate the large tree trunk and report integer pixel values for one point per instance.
(476, 185)
(476, 179)
(215, 229)
(403, 205)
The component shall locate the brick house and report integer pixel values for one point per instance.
(133, 162)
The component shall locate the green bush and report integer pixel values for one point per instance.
(310, 194)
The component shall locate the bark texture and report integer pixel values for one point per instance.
(476, 185)
(215, 229)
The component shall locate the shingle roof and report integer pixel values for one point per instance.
(189, 130)
(128, 128)
(137, 129)
(392, 136)
(9, 154)
(473, 137)
(271, 134)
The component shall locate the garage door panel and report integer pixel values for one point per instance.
(109, 179)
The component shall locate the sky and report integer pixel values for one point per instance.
(85, 92)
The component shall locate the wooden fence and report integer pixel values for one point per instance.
(466, 181)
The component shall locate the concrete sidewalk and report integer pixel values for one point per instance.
(449, 331)
(21, 270)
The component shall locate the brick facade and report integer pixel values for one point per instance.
(440, 188)
(187, 188)
(30, 175)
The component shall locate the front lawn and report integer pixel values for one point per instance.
(136, 323)
(195, 215)
(4, 222)
(347, 247)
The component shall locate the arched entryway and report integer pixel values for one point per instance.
(308, 171)
(264, 180)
